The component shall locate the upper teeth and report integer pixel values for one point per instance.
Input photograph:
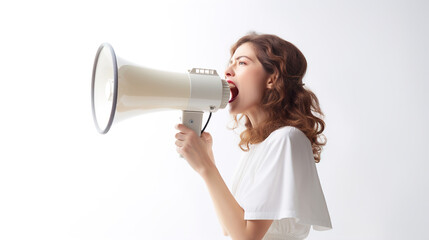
(231, 84)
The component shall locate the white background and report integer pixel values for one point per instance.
(60, 179)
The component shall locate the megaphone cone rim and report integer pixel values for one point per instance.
(115, 88)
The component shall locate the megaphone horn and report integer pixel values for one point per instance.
(121, 90)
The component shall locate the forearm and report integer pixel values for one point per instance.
(228, 210)
(197, 151)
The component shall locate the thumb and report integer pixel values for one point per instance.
(207, 136)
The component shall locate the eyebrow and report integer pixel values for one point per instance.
(230, 61)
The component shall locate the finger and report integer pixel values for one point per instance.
(206, 136)
(180, 136)
(179, 143)
(183, 128)
(179, 150)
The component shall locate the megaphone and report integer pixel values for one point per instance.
(121, 90)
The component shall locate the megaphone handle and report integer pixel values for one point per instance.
(193, 120)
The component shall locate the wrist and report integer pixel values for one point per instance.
(208, 170)
(211, 156)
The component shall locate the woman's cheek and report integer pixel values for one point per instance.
(253, 92)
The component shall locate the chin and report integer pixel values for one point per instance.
(234, 110)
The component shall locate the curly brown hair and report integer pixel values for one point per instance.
(288, 102)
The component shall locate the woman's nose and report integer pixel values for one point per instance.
(229, 72)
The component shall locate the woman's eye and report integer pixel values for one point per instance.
(241, 63)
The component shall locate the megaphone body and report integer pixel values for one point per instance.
(121, 90)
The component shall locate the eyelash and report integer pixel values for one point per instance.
(240, 63)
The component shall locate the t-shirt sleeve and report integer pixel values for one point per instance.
(286, 183)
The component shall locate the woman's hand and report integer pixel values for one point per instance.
(196, 150)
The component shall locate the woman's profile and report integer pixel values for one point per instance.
(276, 192)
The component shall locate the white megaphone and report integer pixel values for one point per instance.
(121, 90)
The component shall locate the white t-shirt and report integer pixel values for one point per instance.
(277, 179)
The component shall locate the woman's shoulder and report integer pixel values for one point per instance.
(287, 132)
(285, 138)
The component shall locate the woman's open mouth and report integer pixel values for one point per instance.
(234, 91)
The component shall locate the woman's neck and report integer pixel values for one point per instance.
(256, 116)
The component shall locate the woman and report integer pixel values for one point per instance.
(276, 192)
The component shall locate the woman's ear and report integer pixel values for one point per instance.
(271, 80)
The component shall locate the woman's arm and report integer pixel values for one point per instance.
(197, 151)
(229, 211)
